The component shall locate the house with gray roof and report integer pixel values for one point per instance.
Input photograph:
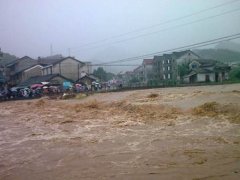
(138, 73)
(19, 70)
(184, 56)
(207, 70)
(68, 67)
(55, 79)
(165, 67)
(147, 70)
(14, 69)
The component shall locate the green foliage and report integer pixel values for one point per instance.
(235, 74)
(110, 76)
(102, 74)
(222, 55)
(152, 83)
(183, 69)
(134, 80)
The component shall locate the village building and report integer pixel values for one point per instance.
(138, 74)
(33, 71)
(19, 70)
(147, 70)
(184, 56)
(165, 67)
(87, 80)
(54, 79)
(14, 70)
(68, 67)
(127, 77)
(207, 70)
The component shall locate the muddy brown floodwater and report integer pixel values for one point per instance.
(170, 133)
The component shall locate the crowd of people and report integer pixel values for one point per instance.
(47, 89)
(34, 91)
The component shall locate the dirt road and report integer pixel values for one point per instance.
(170, 133)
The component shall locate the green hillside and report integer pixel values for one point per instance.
(222, 55)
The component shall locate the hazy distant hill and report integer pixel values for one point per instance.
(228, 45)
(223, 55)
(7, 58)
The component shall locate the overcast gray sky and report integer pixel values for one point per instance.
(28, 27)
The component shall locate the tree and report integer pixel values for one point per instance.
(134, 80)
(110, 76)
(183, 69)
(235, 74)
(102, 74)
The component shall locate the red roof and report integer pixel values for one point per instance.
(148, 61)
(139, 67)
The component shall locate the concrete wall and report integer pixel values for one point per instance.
(68, 68)
(34, 71)
(47, 70)
(202, 77)
(186, 79)
(87, 68)
(147, 72)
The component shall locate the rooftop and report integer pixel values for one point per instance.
(39, 79)
(148, 61)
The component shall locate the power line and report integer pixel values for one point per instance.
(159, 24)
(116, 65)
(200, 44)
(170, 28)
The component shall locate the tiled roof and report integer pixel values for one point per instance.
(148, 61)
(23, 64)
(53, 61)
(181, 53)
(168, 56)
(207, 62)
(128, 72)
(199, 71)
(138, 68)
(88, 76)
(39, 79)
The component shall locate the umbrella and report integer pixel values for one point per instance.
(45, 83)
(36, 86)
(78, 85)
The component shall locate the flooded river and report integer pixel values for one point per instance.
(145, 134)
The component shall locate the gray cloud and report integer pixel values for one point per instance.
(29, 27)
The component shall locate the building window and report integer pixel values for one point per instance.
(194, 66)
(168, 68)
(168, 61)
(164, 77)
(169, 76)
(163, 62)
(163, 68)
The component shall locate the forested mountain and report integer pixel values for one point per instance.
(223, 55)
(232, 46)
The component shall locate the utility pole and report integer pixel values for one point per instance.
(69, 52)
(1, 54)
(51, 50)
